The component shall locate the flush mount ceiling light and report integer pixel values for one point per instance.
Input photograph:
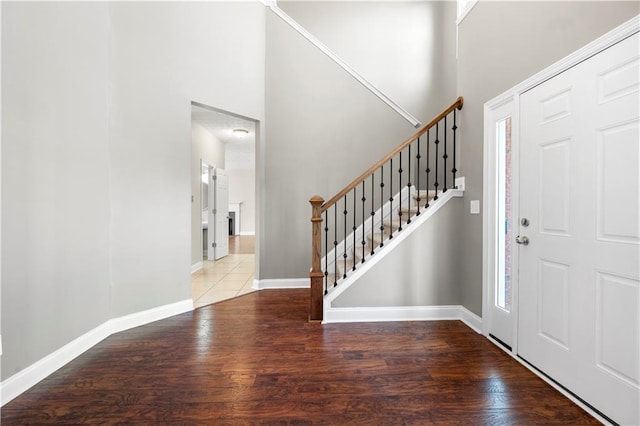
(240, 132)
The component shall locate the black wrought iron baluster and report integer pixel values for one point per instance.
(373, 213)
(381, 206)
(335, 244)
(326, 252)
(344, 241)
(409, 186)
(454, 128)
(428, 169)
(364, 240)
(418, 198)
(437, 142)
(400, 193)
(445, 156)
(355, 228)
(391, 199)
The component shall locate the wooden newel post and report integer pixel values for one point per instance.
(316, 274)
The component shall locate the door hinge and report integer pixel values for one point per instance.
(214, 211)
(214, 245)
(214, 177)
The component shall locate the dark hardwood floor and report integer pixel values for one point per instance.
(256, 360)
(242, 244)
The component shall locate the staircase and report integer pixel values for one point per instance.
(375, 240)
(364, 218)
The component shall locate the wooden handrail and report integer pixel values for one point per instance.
(457, 104)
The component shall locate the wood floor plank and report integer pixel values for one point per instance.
(257, 360)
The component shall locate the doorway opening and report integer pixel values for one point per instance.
(223, 151)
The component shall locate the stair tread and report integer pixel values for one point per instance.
(424, 192)
(376, 239)
(411, 210)
(394, 223)
(360, 252)
(341, 266)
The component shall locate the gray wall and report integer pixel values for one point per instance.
(323, 127)
(96, 190)
(421, 271)
(500, 45)
(55, 177)
(164, 56)
(405, 49)
(205, 147)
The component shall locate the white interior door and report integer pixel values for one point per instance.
(221, 214)
(210, 209)
(579, 295)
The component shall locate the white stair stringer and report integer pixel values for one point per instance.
(399, 237)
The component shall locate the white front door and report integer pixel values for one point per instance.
(221, 213)
(579, 295)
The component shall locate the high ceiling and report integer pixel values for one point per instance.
(239, 150)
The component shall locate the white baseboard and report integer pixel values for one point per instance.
(281, 283)
(137, 319)
(196, 267)
(472, 320)
(403, 313)
(247, 233)
(25, 379)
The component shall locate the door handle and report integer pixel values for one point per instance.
(522, 240)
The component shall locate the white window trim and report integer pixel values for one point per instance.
(464, 7)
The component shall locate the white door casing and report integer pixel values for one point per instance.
(579, 293)
(221, 213)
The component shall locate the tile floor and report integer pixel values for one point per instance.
(223, 279)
